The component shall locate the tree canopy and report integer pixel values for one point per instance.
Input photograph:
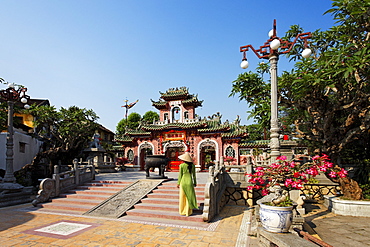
(324, 97)
(132, 122)
(66, 132)
(134, 119)
(150, 116)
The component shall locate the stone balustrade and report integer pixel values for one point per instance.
(64, 181)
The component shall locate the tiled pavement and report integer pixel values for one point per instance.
(20, 226)
(338, 230)
(24, 225)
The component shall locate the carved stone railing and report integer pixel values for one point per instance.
(318, 191)
(64, 181)
(214, 197)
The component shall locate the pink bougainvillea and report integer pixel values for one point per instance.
(292, 175)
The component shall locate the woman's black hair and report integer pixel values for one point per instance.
(189, 166)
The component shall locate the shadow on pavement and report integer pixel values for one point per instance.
(11, 218)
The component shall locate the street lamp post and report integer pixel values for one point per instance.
(11, 95)
(271, 50)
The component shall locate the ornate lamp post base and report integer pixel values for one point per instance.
(10, 187)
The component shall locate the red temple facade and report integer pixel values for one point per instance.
(179, 130)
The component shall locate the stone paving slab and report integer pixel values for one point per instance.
(338, 230)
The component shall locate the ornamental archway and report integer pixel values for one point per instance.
(208, 153)
(145, 148)
(172, 150)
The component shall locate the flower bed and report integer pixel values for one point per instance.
(347, 207)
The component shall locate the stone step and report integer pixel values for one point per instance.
(164, 206)
(100, 197)
(75, 201)
(72, 208)
(171, 196)
(101, 188)
(110, 182)
(174, 185)
(107, 184)
(173, 191)
(93, 192)
(196, 217)
(170, 201)
(160, 201)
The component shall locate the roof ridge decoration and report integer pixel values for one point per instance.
(173, 94)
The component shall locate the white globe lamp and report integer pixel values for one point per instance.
(306, 53)
(275, 44)
(244, 64)
(271, 33)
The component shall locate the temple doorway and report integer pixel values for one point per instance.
(207, 154)
(173, 154)
(143, 153)
(207, 157)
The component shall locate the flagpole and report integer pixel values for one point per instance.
(126, 106)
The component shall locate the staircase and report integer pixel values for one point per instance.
(84, 197)
(163, 203)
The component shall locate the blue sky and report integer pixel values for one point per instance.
(97, 53)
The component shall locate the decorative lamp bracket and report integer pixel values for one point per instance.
(265, 51)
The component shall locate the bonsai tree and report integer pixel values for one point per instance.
(282, 176)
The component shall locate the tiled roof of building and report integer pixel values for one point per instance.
(175, 93)
(159, 104)
(123, 138)
(192, 101)
(152, 127)
(181, 93)
(235, 133)
(105, 129)
(137, 132)
(214, 126)
(117, 148)
(255, 144)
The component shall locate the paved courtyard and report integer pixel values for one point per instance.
(24, 225)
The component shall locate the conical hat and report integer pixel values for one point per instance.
(185, 157)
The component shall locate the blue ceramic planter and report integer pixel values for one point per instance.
(276, 219)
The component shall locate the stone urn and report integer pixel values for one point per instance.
(156, 161)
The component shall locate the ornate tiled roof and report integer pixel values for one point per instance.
(234, 134)
(152, 127)
(175, 93)
(117, 148)
(137, 132)
(181, 93)
(192, 101)
(255, 144)
(159, 104)
(123, 138)
(213, 126)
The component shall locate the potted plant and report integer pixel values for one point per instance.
(277, 179)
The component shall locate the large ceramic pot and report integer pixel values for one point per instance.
(276, 219)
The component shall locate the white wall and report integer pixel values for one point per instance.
(19, 159)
